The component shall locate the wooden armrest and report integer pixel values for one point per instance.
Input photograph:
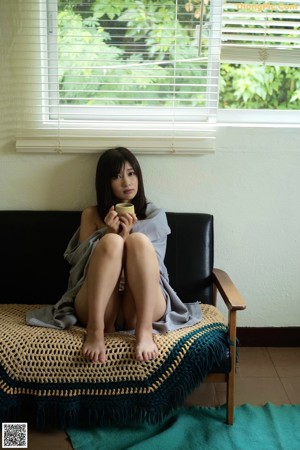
(228, 291)
(234, 302)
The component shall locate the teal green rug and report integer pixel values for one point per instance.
(267, 427)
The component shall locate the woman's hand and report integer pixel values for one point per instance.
(126, 221)
(112, 221)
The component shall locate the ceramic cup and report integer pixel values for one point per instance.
(122, 208)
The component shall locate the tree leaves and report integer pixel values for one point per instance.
(259, 87)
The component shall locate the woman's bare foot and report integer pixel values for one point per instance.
(94, 346)
(146, 349)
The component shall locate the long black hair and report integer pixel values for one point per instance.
(109, 166)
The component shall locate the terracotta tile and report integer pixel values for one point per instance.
(256, 391)
(259, 391)
(292, 388)
(220, 393)
(286, 361)
(255, 362)
(204, 395)
(58, 440)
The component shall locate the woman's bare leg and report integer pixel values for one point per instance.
(97, 302)
(144, 302)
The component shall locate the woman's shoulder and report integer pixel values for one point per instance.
(90, 215)
(157, 218)
(152, 210)
(91, 212)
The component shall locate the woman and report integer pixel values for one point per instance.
(118, 278)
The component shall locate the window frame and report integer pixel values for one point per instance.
(279, 56)
(181, 124)
(54, 137)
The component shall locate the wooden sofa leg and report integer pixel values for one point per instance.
(231, 375)
(230, 399)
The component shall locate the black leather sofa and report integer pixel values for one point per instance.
(35, 273)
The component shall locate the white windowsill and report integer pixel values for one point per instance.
(258, 118)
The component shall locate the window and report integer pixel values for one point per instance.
(146, 73)
(260, 56)
(137, 73)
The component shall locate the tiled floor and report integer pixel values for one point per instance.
(263, 375)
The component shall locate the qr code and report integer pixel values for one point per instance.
(14, 435)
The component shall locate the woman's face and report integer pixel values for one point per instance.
(125, 184)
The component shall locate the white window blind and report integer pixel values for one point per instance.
(141, 74)
(267, 32)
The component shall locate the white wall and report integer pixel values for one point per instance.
(250, 184)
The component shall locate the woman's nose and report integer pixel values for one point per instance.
(125, 180)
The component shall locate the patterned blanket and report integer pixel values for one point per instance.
(44, 380)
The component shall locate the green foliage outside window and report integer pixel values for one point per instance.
(259, 87)
(140, 39)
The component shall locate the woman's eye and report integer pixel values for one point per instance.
(131, 173)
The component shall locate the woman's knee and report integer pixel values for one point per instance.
(111, 244)
(140, 254)
(138, 242)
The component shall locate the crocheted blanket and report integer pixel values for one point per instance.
(44, 380)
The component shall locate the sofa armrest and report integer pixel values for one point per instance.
(234, 302)
(228, 291)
